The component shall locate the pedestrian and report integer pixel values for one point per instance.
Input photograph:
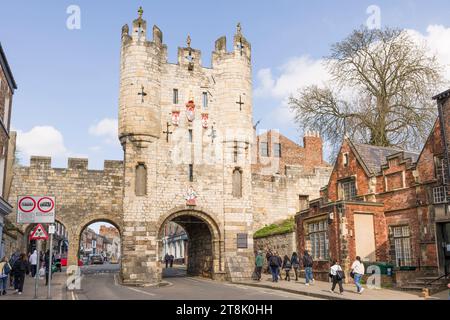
(20, 269)
(287, 266)
(33, 263)
(268, 255)
(336, 275)
(14, 257)
(171, 260)
(259, 262)
(308, 265)
(280, 263)
(166, 260)
(274, 265)
(48, 266)
(357, 272)
(5, 270)
(295, 264)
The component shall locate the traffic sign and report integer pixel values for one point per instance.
(33, 209)
(51, 229)
(39, 233)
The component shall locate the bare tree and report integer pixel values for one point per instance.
(380, 92)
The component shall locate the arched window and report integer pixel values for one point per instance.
(141, 180)
(237, 183)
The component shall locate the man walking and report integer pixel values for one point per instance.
(274, 265)
(166, 260)
(171, 258)
(33, 262)
(259, 261)
(308, 265)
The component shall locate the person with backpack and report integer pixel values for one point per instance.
(280, 263)
(259, 262)
(274, 265)
(287, 266)
(295, 264)
(357, 272)
(5, 270)
(308, 265)
(20, 268)
(268, 255)
(14, 257)
(337, 275)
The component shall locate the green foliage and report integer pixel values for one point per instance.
(286, 226)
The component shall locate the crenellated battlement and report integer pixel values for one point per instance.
(78, 164)
(137, 36)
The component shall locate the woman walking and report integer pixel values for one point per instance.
(295, 264)
(337, 275)
(358, 272)
(5, 269)
(21, 268)
(287, 266)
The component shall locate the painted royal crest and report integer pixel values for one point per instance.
(175, 117)
(205, 118)
(191, 197)
(190, 110)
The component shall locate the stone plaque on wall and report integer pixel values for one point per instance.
(242, 241)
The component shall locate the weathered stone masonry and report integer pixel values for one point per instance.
(82, 196)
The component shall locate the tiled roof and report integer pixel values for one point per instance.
(374, 157)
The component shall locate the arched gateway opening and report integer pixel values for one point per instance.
(100, 245)
(192, 238)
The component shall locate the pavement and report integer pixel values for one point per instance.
(58, 289)
(101, 282)
(321, 290)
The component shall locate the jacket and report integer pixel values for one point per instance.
(274, 261)
(307, 261)
(259, 261)
(21, 267)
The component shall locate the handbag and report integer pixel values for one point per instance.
(340, 275)
(352, 274)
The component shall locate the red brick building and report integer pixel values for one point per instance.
(274, 152)
(385, 205)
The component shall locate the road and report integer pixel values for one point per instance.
(101, 283)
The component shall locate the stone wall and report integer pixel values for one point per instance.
(82, 196)
(276, 197)
(284, 244)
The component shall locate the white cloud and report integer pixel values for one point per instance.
(298, 72)
(302, 71)
(437, 39)
(106, 128)
(42, 141)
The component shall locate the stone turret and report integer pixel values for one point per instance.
(140, 83)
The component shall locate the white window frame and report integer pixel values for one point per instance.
(317, 241)
(439, 195)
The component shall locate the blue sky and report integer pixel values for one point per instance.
(68, 79)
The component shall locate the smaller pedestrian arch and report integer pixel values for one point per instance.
(203, 255)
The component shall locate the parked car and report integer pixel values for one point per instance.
(96, 259)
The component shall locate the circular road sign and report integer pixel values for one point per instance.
(27, 204)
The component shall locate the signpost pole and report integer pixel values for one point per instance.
(36, 279)
(50, 262)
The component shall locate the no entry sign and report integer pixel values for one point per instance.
(32, 209)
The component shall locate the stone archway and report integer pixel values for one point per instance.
(75, 234)
(204, 241)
